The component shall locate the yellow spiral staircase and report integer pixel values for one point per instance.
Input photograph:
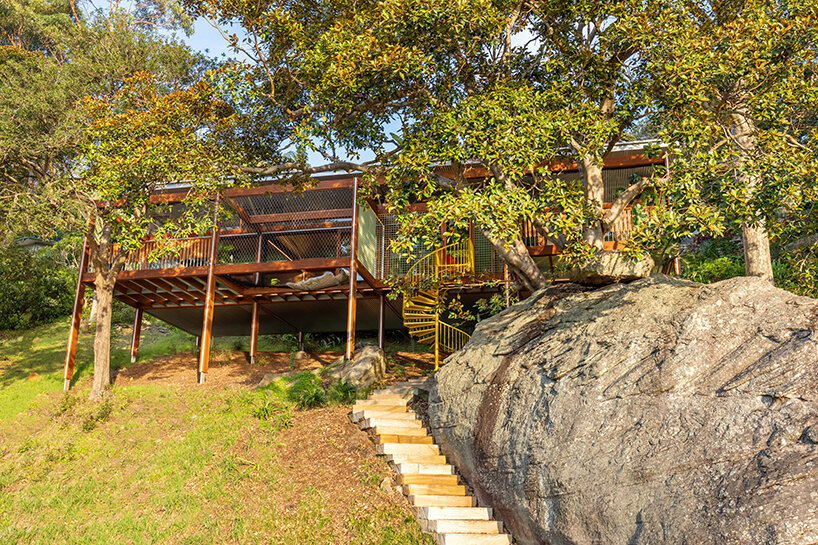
(428, 279)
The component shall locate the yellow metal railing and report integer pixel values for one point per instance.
(427, 276)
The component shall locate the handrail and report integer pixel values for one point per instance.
(433, 263)
(450, 337)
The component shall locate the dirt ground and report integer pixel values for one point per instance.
(233, 368)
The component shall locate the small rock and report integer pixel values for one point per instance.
(34, 377)
(386, 485)
(300, 355)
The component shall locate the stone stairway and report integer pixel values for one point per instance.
(441, 503)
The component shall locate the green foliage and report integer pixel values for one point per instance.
(797, 271)
(306, 390)
(342, 393)
(738, 97)
(33, 289)
(272, 407)
(101, 414)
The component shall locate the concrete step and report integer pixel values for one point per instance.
(414, 468)
(455, 513)
(411, 449)
(397, 412)
(442, 501)
(462, 526)
(402, 431)
(434, 490)
(361, 403)
(391, 422)
(415, 459)
(427, 479)
(473, 539)
(413, 439)
(388, 395)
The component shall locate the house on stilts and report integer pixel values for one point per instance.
(320, 261)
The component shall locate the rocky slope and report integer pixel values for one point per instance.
(661, 411)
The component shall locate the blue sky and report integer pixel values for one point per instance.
(208, 40)
(205, 38)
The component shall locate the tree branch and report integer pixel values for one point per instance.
(623, 200)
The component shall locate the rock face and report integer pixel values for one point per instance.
(367, 366)
(611, 267)
(657, 412)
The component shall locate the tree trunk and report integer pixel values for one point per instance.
(519, 261)
(590, 169)
(102, 339)
(757, 258)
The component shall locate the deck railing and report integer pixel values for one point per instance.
(181, 252)
(298, 244)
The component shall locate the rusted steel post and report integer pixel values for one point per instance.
(255, 317)
(254, 333)
(381, 319)
(207, 325)
(137, 331)
(353, 275)
(76, 315)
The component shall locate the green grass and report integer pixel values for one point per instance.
(170, 464)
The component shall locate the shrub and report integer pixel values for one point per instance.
(342, 393)
(306, 391)
(713, 260)
(33, 289)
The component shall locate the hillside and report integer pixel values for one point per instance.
(163, 461)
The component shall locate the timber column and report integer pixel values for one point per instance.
(207, 325)
(137, 331)
(76, 315)
(381, 320)
(254, 318)
(353, 276)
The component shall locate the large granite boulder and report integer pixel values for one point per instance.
(661, 411)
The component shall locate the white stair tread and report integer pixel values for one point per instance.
(463, 526)
(442, 501)
(473, 539)
(391, 422)
(424, 469)
(409, 448)
(455, 513)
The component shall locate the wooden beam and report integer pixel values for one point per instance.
(363, 271)
(290, 216)
(137, 330)
(163, 295)
(313, 264)
(185, 287)
(168, 287)
(242, 213)
(338, 183)
(353, 276)
(207, 324)
(238, 288)
(76, 316)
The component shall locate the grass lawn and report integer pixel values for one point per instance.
(171, 463)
